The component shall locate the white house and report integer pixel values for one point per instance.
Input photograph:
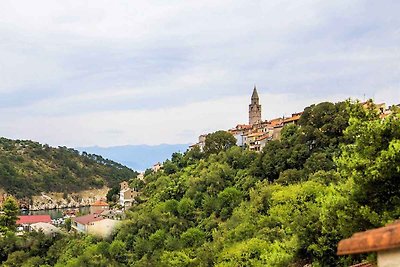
(94, 224)
(126, 195)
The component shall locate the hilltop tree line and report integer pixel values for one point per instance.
(333, 174)
(28, 168)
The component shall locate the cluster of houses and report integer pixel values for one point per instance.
(96, 223)
(101, 221)
(255, 135)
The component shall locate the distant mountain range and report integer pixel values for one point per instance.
(137, 157)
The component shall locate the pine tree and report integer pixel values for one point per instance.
(8, 216)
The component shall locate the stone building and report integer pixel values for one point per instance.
(98, 207)
(156, 167)
(201, 143)
(127, 195)
(254, 108)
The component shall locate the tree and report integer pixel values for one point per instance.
(218, 141)
(16, 258)
(68, 223)
(113, 194)
(274, 160)
(192, 155)
(175, 259)
(170, 167)
(193, 237)
(323, 124)
(118, 251)
(228, 200)
(372, 162)
(186, 208)
(8, 218)
(319, 161)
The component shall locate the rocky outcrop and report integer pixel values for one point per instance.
(57, 200)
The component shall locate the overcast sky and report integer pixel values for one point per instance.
(81, 73)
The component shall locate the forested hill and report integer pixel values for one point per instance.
(28, 168)
(334, 174)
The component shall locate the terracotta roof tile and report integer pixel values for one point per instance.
(29, 219)
(383, 238)
(275, 122)
(86, 219)
(294, 118)
(254, 134)
(99, 203)
(263, 137)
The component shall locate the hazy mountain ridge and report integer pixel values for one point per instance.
(137, 157)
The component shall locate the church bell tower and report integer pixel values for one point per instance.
(254, 108)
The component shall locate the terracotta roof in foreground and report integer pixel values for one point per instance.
(383, 238)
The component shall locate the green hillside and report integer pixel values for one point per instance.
(334, 174)
(28, 168)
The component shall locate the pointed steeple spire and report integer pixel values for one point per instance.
(255, 94)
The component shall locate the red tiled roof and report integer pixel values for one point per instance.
(254, 134)
(99, 203)
(263, 137)
(275, 122)
(29, 219)
(294, 118)
(298, 113)
(276, 119)
(383, 238)
(86, 219)
(243, 126)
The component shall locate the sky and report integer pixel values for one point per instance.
(108, 73)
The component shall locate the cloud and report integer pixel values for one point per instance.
(94, 72)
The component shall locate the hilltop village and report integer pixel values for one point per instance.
(258, 132)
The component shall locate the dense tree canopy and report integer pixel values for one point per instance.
(334, 174)
(218, 141)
